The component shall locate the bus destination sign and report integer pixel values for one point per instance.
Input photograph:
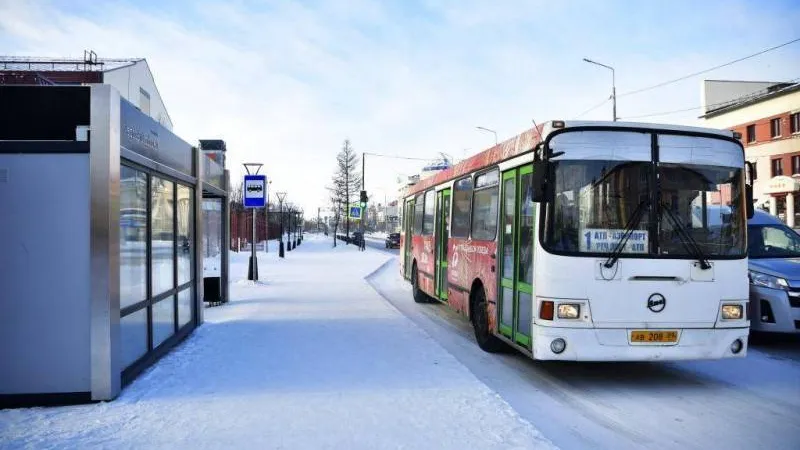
(596, 240)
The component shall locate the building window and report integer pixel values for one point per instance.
(132, 237)
(162, 237)
(795, 165)
(775, 127)
(794, 122)
(777, 167)
(751, 133)
(144, 101)
(185, 209)
(755, 171)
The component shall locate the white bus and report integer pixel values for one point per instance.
(590, 241)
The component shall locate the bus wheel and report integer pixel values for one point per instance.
(419, 296)
(480, 322)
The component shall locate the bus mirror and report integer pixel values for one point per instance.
(539, 181)
(748, 193)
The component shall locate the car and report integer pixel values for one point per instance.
(393, 240)
(357, 237)
(774, 273)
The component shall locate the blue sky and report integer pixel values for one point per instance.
(285, 82)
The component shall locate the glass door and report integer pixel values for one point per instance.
(408, 220)
(516, 262)
(507, 253)
(525, 232)
(442, 233)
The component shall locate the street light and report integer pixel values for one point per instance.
(613, 85)
(281, 196)
(490, 131)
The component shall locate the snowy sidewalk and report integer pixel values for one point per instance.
(311, 358)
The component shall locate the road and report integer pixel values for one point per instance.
(744, 403)
(380, 244)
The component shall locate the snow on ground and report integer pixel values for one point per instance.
(308, 357)
(732, 404)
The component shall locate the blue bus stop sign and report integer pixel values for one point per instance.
(255, 191)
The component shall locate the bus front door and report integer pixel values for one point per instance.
(516, 257)
(408, 221)
(442, 233)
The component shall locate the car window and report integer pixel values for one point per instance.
(773, 241)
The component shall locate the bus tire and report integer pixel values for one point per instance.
(419, 295)
(487, 341)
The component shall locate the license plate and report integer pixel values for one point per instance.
(647, 336)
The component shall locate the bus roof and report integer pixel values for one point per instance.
(528, 139)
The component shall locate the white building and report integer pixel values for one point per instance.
(767, 115)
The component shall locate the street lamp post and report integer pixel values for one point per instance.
(613, 86)
(490, 131)
(289, 247)
(281, 197)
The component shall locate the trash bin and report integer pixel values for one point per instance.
(212, 290)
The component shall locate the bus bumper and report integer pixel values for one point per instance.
(594, 344)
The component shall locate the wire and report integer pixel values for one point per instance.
(592, 108)
(708, 70)
(397, 157)
(713, 105)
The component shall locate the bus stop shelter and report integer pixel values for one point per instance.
(101, 222)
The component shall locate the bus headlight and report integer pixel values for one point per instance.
(732, 311)
(569, 311)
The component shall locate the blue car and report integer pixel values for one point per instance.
(774, 263)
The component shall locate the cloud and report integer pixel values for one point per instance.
(284, 83)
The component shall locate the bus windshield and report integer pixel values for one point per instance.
(693, 192)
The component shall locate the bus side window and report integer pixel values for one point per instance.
(428, 215)
(419, 204)
(485, 206)
(462, 207)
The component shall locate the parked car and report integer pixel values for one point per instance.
(356, 238)
(774, 263)
(393, 240)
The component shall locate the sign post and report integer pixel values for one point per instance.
(254, 196)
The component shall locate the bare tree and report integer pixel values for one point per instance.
(346, 182)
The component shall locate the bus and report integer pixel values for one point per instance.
(590, 241)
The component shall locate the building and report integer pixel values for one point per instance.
(130, 76)
(767, 115)
(112, 233)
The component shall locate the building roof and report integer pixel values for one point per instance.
(776, 90)
(39, 64)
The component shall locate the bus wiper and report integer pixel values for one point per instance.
(687, 239)
(630, 227)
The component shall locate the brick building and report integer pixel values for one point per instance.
(767, 115)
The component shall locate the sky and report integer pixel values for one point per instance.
(284, 83)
